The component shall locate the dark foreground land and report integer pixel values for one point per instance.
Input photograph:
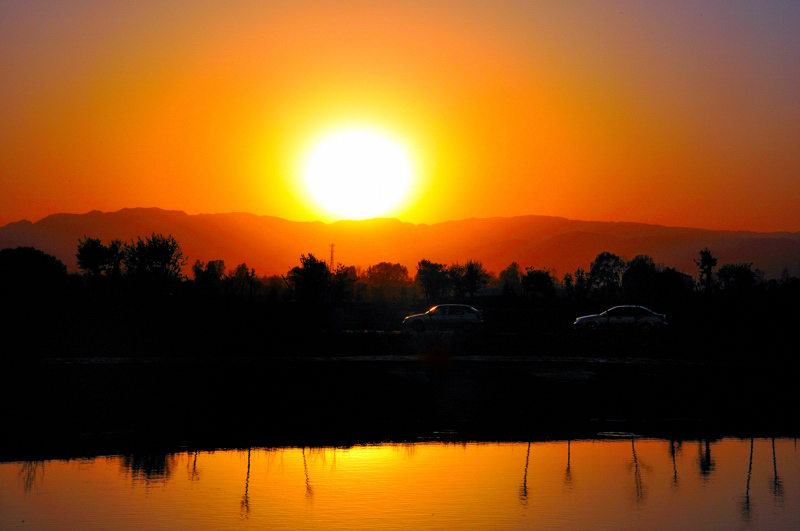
(93, 379)
(348, 388)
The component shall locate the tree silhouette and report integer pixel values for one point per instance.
(115, 253)
(386, 274)
(207, 276)
(456, 280)
(157, 257)
(706, 263)
(475, 278)
(243, 277)
(386, 279)
(605, 274)
(510, 279)
(310, 280)
(581, 287)
(738, 277)
(343, 283)
(91, 256)
(433, 279)
(640, 279)
(538, 283)
(95, 259)
(466, 280)
(569, 285)
(26, 271)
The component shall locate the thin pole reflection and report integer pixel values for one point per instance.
(638, 484)
(674, 449)
(309, 490)
(523, 490)
(245, 503)
(776, 485)
(568, 472)
(194, 475)
(746, 508)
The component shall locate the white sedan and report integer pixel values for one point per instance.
(445, 316)
(623, 317)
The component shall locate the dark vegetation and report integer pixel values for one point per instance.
(135, 299)
(133, 350)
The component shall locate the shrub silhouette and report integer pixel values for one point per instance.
(26, 271)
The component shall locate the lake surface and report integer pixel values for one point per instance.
(612, 482)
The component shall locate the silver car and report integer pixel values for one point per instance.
(623, 317)
(445, 316)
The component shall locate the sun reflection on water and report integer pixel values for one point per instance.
(623, 482)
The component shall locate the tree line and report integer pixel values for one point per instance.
(156, 263)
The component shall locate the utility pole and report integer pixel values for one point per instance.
(332, 246)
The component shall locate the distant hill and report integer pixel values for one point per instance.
(273, 245)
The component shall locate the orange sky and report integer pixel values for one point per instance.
(678, 114)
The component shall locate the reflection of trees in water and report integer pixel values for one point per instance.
(746, 508)
(309, 490)
(776, 483)
(409, 449)
(191, 467)
(640, 492)
(149, 467)
(674, 449)
(244, 506)
(29, 473)
(523, 489)
(705, 462)
(333, 461)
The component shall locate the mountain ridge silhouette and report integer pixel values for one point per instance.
(273, 245)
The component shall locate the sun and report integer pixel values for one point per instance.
(357, 173)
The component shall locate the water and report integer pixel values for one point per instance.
(604, 483)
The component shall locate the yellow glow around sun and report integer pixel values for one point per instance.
(358, 173)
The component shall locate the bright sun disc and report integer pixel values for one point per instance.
(357, 173)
